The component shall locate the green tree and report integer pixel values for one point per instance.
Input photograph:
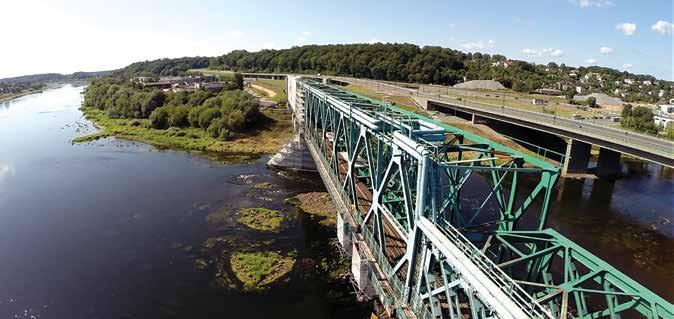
(238, 79)
(207, 116)
(159, 118)
(591, 102)
(179, 117)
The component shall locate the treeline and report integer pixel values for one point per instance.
(222, 114)
(13, 88)
(164, 67)
(411, 63)
(639, 118)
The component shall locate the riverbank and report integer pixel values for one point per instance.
(267, 138)
(10, 96)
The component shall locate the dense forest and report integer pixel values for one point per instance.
(164, 67)
(411, 63)
(38, 81)
(13, 88)
(222, 114)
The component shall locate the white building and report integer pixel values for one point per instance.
(579, 90)
(663, 120)
(628, 81)
(647, 82)
(667, 108)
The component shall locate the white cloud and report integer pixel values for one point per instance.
(592, 3)
(663, 27)
(301, 39)
(531, 52)
(557, 53)
(479, 45)
(592, 61)
(627, 28)
(627, 65)
(374, 40)
(606, 50)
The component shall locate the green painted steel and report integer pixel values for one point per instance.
(405, 177)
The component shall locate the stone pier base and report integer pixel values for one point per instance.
(293, 156)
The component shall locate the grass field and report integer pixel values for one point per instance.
(278, 86)
(401, 101)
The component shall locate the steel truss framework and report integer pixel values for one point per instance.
(405, 177)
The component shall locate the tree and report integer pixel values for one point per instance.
(591, 101)
(570, 94)
(238, 79)
(159, 118)
(179, 117)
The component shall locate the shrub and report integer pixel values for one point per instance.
(216, 127)
(236, 121)
(207, 116)
(179, 118)
(159, 118)
(193, 116)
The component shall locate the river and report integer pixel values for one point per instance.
(112, 228)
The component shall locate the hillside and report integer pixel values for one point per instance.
(411, 63)
(53, 77)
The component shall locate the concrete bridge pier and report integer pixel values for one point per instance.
(577, 157)
(608, 164)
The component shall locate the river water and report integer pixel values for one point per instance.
(112, 228)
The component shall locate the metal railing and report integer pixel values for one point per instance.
(508, 285)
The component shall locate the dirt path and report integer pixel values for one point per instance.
(269, 92)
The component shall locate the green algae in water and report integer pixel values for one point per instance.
(261, 218)
(264, 185)
(258, 270)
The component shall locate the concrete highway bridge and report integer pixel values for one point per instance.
(438, 223)
(581, 135)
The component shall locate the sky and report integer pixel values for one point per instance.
(65, 36)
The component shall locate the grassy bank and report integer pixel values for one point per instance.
(259, 269)
(267, 138)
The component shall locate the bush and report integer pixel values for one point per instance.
(236, 120)
(207, 116)
(193, 116)
(179, 118)
(159, 119)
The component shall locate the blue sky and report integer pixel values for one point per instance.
(71, 35)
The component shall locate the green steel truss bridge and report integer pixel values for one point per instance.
(442, 223)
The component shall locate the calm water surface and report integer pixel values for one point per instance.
(111, 229)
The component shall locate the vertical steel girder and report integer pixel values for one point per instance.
(398, 169)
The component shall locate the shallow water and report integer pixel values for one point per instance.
(111, 229)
